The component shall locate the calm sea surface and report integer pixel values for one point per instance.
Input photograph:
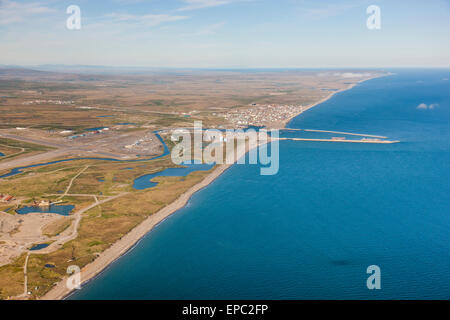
(334, 209)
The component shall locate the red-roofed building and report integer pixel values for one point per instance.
(6, 198)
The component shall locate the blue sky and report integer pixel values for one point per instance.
(227, 33)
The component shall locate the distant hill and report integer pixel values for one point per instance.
(17, 71)
(28, 74)
(80, 72)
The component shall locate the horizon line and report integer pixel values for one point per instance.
(218, 67)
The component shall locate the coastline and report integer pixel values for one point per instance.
(127, 242)
(332, 94)
(121, 247)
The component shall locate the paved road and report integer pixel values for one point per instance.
(78, 216)
(74, 152)
(90, 149)
(33, 159)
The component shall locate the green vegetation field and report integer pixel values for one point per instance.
(13, 148)
(101, 226)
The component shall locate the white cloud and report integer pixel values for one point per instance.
(147, 20)
(353, 75)
(424, 106)
(207, 30)
(200, 4)
(13, 12)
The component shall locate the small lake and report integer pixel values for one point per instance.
(2, 154)
(144, 182)
(39, 247)
(96, 129)
(61, 210)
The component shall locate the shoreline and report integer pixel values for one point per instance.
(132, 238)
(331, 95)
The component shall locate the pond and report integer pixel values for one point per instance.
(39, 246)
(96, 129)
(61, 210)
(144, 182)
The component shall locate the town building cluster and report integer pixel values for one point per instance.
(57, 102)
(260, 115)
(143, 145)
(86, 134)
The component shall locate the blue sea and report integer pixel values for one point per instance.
(334, 209)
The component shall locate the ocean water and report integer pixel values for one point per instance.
(334, 209)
